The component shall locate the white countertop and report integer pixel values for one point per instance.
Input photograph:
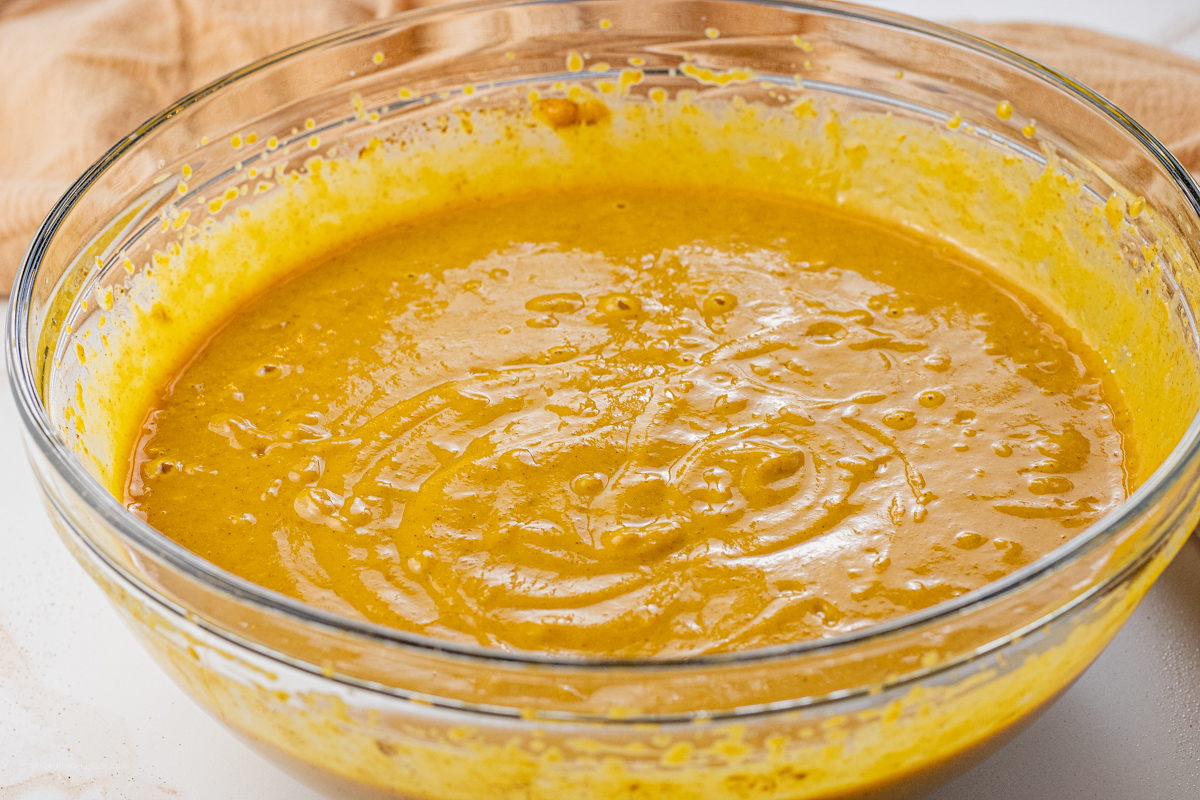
(86, 715)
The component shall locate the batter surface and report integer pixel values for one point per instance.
(633, 422)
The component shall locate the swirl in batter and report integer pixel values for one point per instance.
(636, 422)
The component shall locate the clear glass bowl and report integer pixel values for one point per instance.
(359, 710)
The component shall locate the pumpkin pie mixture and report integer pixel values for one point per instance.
(637, 420)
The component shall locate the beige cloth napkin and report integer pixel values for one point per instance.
(80, 74)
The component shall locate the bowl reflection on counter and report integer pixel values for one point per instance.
(361, 711)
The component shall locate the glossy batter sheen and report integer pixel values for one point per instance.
(634, 422)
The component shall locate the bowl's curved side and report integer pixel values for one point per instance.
(346, 741)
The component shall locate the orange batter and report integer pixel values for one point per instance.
(633, 422)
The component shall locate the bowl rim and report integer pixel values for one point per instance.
(40, 432)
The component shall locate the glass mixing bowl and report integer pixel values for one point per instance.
(358, 710)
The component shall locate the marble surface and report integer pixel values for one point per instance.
(85, 714)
